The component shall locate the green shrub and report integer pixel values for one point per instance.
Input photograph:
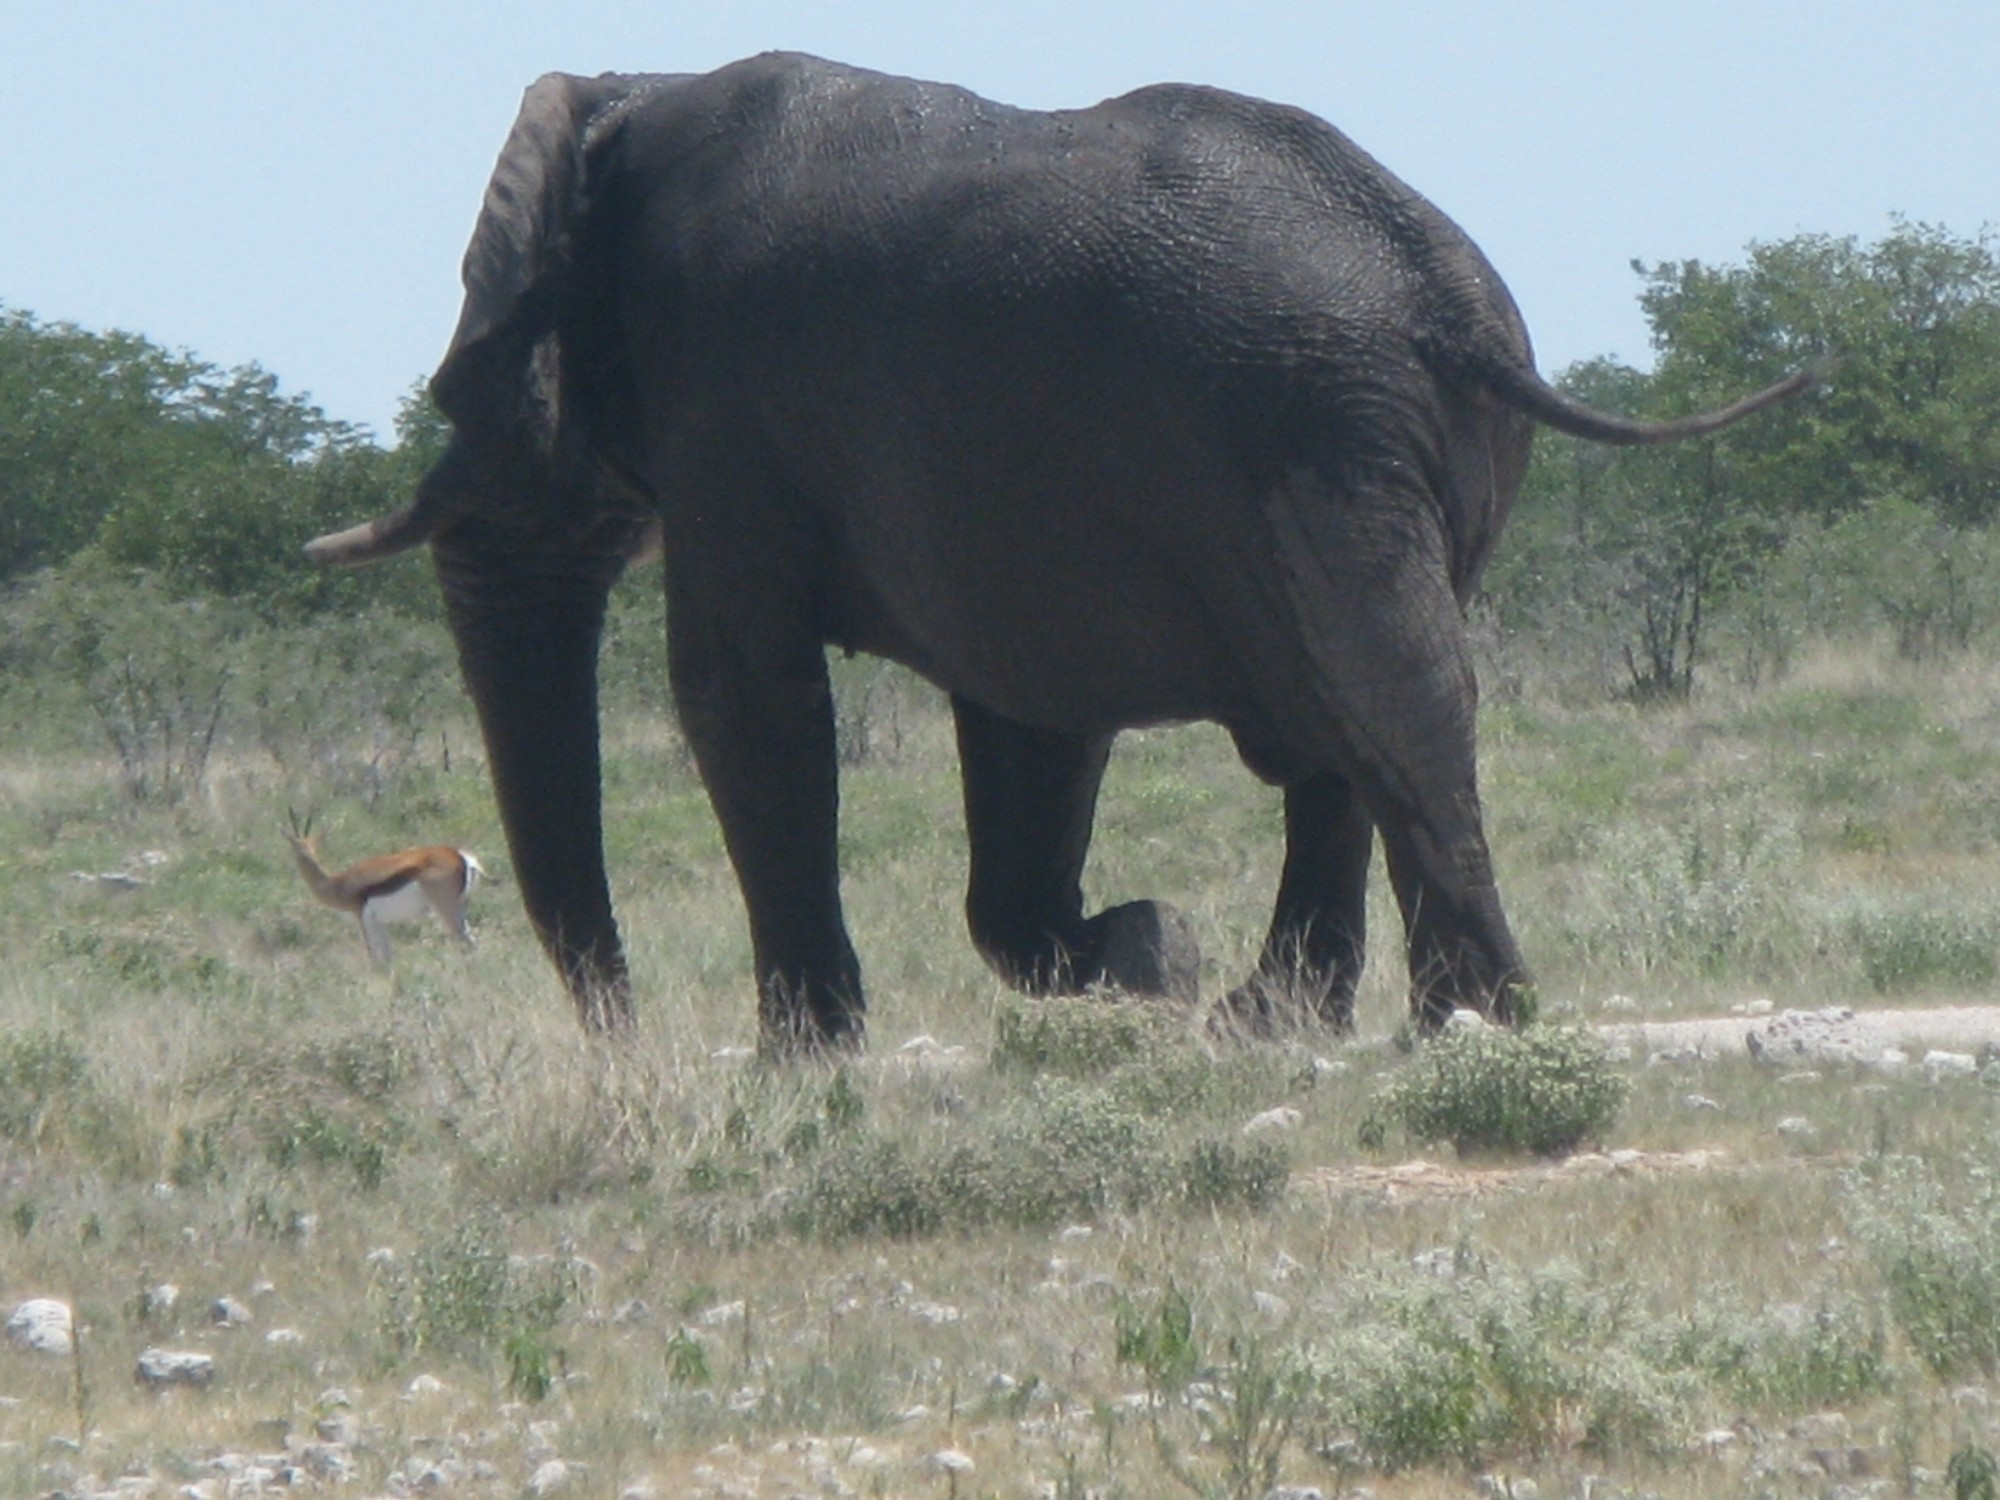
(1973, 1474)
(1061, 1152)
(42, 1075)
(1786, 1358)
(1920, 947)
(1938, 1251)
(331, 1102)
(1221, 1174)
(465, 1294)
(1544, 1089)
(1453, 1369)
(1073, 1038)
(155, 669)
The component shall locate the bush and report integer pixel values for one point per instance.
(42, 1074)
(1454, 1369)
(1063, 1152)
(1789, 1357)
(344, 704)
(1073, 1038)
(154, 669)
(466, 1294)
(1545, 1089)
(1939, 1253)
(1918, 947)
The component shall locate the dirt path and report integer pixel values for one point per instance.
(1834, 1033)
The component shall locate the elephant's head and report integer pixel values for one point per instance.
(530, 520)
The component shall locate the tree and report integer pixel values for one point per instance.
(1645, 545)
(1914, 323)
(208, 480)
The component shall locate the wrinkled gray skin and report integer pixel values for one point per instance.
(1179, 407)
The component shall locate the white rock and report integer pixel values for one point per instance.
(284, 1336)
(1796, 1128)
(1271, 1305)
(41, 1325)
(161, 1368)
(1892, 1060)
(949, 1461)
(1284, 1117)
(1699, 1101)
(157, 1302)
(227, 1312)
(425, 1385)
(1938, 1064)
(1618, 1005)
(1071, 1233)
(937, 1314)
(326, 1461)
(551, 1477)
(722, 1315)
(251, 1482)
(1441, 1261)
(1463, 1019)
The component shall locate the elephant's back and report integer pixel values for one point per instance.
(1220, 223)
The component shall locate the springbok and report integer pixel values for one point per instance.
(391, 887)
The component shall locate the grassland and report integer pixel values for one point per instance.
(1034, 1236)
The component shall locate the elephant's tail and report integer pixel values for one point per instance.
(1522, 388)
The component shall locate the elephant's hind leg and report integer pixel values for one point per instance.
(1312, 957)
(1030, 796)
(1395, 676)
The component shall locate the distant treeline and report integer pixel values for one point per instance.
(1869, 504)
(118, 454)
(1866, 505)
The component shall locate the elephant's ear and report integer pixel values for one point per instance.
(500, 375)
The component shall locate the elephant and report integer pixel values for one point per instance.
(1175, 408)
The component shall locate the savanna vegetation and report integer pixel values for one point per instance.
(1741, 741)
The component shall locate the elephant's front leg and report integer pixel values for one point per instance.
(1311, 964)
(1030, 796)
(758, 712)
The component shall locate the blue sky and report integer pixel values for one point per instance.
(293, 184)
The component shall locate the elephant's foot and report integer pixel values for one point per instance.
(1504, 1001)
(1269, 1005)
(602, 993)
(794, 1028)
(1145, 948)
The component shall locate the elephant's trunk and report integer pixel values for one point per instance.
(527, 639)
